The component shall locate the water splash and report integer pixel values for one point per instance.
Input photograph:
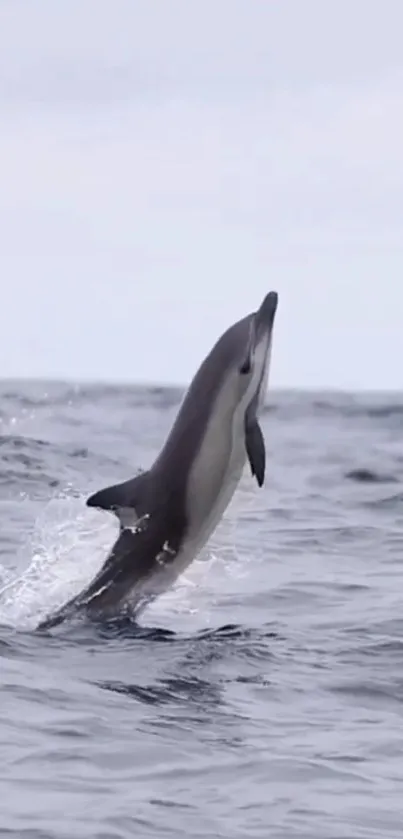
(70, 542)
(67, 547)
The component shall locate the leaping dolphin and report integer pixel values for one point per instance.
(168, 513)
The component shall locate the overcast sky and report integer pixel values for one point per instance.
(165, 164)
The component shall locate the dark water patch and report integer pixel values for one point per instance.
(358, 409)
(80, 452)
(84, 629)
(127, 628)
(26, 460)
(317, 536)
(254, 679)
(374, 410)
(170, 690)
(328, 406)
(162, 397)
(14, 479)
(25, 475)
(39, 395)
(17, 442)
(232, 630)
(390, 502)
(124, 627)
(271, 408)
(343, 405)
(148, 695)
(369, 476)
(6, 648)
(323, 405)
(390, 648)
(371, 691)
(390, 628)
(386, 411)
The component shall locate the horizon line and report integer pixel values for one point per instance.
(142, 383)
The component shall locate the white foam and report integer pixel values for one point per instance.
(68, 546)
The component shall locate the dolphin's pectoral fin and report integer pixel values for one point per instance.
(126, 500)
(255, 449)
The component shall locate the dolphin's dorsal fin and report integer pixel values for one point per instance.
(126, 500)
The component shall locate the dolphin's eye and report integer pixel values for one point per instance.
(245, 367)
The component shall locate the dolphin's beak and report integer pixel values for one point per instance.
(262, 323)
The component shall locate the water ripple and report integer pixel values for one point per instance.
(262, 696)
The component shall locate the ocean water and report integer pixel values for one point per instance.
(263, 698)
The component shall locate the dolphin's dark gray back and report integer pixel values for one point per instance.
(189, 426)
(165, 483)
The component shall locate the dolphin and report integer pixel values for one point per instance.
(168, 513)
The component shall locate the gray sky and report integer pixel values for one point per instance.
(165, 164)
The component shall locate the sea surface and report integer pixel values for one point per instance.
(263, 697)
